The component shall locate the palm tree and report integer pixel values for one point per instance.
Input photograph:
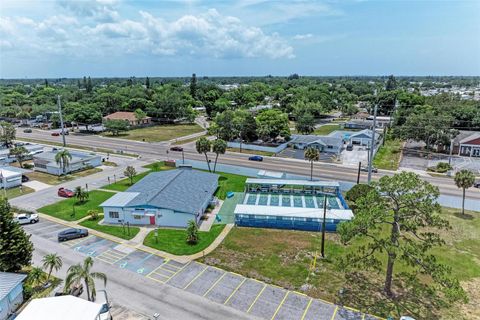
(81, 272)
(80, 194)
(62, 158)
(52, 261)
(219, 146)
(464, 179)
(35, 276)
(312, 154)
(203, 145)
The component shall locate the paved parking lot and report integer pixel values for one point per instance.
(244, 294)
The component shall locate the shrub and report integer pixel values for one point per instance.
(93, 214)
(192, 232)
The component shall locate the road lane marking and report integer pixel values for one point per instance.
(334, 313)
(306, 309)
(234, 291)
(195, 278)
(280, 305)
(215, 283)
(256, 298)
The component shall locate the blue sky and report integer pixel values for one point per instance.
(72, 38)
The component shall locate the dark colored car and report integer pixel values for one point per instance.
(55, 134)
(25, 178)
(66, 193)
(27, 130)
(176, 148)
(476, 184)
(70, 234)
(255, 158)
(365, 169)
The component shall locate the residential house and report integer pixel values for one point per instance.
(166, 198)
(11, 293)
(61, 308)
(9, 178)
(129, 117)
(45, 162)
(467, 143)
(363, 138)
(322, 143)
(367, 123)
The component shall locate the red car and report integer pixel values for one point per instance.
(176, 149)
(66, 193)
(55, 134)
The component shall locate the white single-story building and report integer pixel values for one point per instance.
(467, 144)
(166, 198)
(10, 179)
(11, 293)
(61, 308)
(45, 162)
(363, 138)
(322, 143)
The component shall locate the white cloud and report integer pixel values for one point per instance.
(303, 36)
(209, 34)
(99, 10)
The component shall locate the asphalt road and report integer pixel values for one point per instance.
(159, 150)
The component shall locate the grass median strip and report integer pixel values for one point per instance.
(174, 241)
(71, 210)
(116, 231)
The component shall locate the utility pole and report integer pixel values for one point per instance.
(323, 225)
(358, 174)
(61, 120)
(372, 143)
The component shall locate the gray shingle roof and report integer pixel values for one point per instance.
(183, 190)
(310, 138)
(8, 281)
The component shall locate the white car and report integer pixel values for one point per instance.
(27, 218)
(102, 299)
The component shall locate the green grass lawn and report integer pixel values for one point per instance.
(326, 129)
(54, 180)
(283, 257)
(229, 182)
(174, 240)
(16, 192)
(388, 156)
(64, 208)
(117, 231)
(260, 153)
(181, 142)
(159, 132)
(124, 184)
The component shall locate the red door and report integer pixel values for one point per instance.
(152, 219)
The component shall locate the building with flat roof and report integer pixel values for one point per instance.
(45, 162)
(292, 204)
(167, 198)
(9, 178)
(11, 293)
(322, 143)
(61, 308)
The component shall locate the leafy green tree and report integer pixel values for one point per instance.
(62, 158)
(358, 191)
(396, 221)
(140, 115)
(82, 272)
(81, 194)
(203, 145)
(116, 126)
(84, 114)
(391, 83)
(52, 261)
(226, 128)
(89, 87)
(15, 246)
(7, 134)
(305, 123)
(20, 153)
(193, 86)
(219, 146)
(192, 232)
(312, 154)
(464, 179)
(130, 173)
(272, 123)
(147, 83)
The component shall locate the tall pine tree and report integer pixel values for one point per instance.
(193, 86)
(15, 245)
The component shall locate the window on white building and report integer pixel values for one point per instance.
(137, 217)
(113, 214)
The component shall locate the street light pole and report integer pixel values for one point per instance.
(358, 174)
(372, 143)
(59, 105)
